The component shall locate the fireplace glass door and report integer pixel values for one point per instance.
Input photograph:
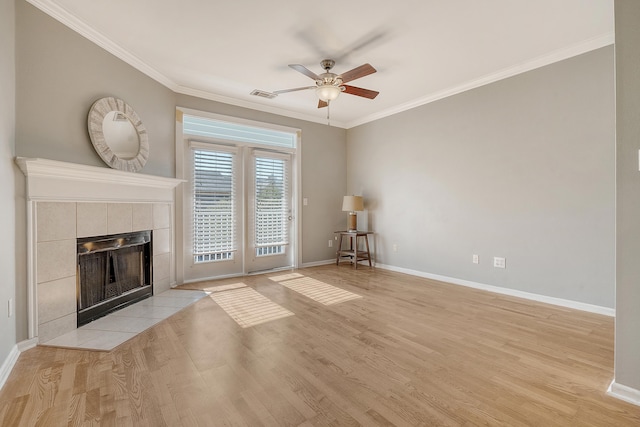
(113, 271)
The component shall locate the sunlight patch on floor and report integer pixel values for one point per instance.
(249, 308)
(318, 291)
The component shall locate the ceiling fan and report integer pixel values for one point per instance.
(329, 85)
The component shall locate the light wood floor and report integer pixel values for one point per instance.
(410, 352)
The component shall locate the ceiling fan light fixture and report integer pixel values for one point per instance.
(328, 92)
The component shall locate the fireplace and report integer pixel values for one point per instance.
(66, 202)
(113, 272)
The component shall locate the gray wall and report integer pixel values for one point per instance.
(59, 76)
(627, 15)
(522, 168)
(7, 173)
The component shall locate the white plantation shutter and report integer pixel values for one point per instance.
(214, 205)
(272, 203)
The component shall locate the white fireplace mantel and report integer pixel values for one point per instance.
(70, 194)
(55, 180)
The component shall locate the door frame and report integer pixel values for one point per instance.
(182, 151)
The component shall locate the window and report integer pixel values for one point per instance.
(236, 132)
(214, 205)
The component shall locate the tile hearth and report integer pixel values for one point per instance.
(114, 329)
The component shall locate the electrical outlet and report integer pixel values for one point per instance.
(330, 243)
(476, 259)
(395, 247)
(305, 201)
(499, 262)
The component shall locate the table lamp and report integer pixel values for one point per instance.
(352, 204)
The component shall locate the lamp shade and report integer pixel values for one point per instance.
(328, 92)
(352, 203)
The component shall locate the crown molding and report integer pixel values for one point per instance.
(73, 22)
(541, 61)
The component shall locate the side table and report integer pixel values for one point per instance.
(352, 253)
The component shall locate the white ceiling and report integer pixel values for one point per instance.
(423, 49)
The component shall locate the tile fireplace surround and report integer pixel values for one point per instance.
(67, 201)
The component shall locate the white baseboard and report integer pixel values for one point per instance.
(12, 358)
(317, 263)
(27, 344)
(623, 392)
(606, 311)
(8, 364)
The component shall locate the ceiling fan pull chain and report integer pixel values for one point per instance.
(328, 111)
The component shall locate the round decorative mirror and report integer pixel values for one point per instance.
(118, 135)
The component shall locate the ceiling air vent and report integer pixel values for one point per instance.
(263, 94)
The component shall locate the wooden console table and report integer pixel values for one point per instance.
(352, 253)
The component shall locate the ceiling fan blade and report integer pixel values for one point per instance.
(322, 104)
(315, 37)
(356, 73)
(304, 70)
(373, 38)
(365, 93)
(278, 92)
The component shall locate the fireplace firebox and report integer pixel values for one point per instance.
(113, 272)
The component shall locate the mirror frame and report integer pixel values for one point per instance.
(97, 113)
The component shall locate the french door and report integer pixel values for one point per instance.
(241, 211)
(269, 213)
